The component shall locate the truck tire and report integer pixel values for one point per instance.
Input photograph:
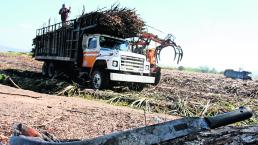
(136, 87)
(99, 79)
(51, 70)
(45, 69)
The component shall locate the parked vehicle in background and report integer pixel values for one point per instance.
(244, 75)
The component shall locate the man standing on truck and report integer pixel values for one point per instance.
(64, 13)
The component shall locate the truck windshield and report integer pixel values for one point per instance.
(107, 42)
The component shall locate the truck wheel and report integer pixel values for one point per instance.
(51, 70)
(45, 69)
(136, 87)
(99, 80)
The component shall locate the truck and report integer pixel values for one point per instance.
(106, 47)
(243, 75)
(103, 59)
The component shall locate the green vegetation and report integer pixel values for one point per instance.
(202, 69)
(12, 53)
(2, 77)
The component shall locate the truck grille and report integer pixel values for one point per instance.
(132, 64)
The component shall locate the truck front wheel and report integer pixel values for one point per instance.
(99, 80)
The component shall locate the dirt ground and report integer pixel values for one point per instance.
(19, 62)
(179, 94)
(67, 117)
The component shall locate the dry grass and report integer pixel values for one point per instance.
(179, 93)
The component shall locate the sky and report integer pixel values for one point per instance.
(222, 34)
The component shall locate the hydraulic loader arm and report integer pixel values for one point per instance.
(178, 51)
(144, 39)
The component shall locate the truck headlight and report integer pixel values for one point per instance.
(115, 63)
(147, 67)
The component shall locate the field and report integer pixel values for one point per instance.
(178, 94)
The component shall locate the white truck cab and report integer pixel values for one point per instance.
(110, 59)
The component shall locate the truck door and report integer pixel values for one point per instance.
(90, 52)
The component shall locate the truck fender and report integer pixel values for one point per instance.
(99, 64)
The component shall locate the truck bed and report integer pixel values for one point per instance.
(57, 42)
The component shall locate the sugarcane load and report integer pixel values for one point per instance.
(100, 46)
(118, 22)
